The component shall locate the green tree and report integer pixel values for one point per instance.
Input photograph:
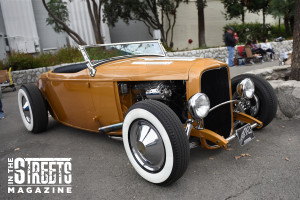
(295, 73)
(256, 6)
(284, 9)
(155, 14)
(58, 17)
(234, 9)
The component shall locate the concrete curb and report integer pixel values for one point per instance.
(287, 91)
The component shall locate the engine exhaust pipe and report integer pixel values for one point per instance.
(110, 128)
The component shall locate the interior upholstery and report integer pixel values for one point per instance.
(70, 68)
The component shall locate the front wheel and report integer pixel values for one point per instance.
(155, 142)
(263, 105)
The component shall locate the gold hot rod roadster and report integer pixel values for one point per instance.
(159, 106)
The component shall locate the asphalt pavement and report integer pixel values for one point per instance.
(236, 70)
(266, 168)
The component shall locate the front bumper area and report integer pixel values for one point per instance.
(219, 141)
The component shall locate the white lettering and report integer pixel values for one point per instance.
(28, 190)
(35, 173)
(10, 178)
(69, 190)
(60, 164)
(44, 175)
(68, 175)
(11, 190)
(46, 190)
(60, 189)
(19, 173)
(20, 190)
(52, 174)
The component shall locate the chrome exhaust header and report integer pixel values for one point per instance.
(110, 128)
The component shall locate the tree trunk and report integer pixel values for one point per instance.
(295, 73)
(66, 28)
(173, 25)
(172, 30)
(291, 19)
(287, 26)
(243, 16)
(242, 3)
(264, 21)
(95, 17)
(161, 28)
(163, 38)
(201, 24)
(92, 19)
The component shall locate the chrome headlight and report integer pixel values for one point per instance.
(199, 106)
(246, 88)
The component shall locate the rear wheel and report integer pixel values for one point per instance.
(33, 108)
(155, 142)
(263, 105)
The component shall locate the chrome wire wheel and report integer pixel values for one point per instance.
(254, 106)
(248, 106)
(251, 106)
(147, 145)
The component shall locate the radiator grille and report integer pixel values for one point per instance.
(214, 83)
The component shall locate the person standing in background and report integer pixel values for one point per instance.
(230, 43)
(1, 111)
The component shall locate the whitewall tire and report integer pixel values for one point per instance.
(33, 108)
(155, 142)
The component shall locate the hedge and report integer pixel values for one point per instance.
(20, 61)
(250, 31)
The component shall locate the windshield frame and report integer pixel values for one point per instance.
(87, 59)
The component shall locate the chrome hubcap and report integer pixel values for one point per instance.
(146, 145)
(26, 109)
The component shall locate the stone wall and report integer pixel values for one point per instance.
(31, 75)
(287, 91)
(273, 73)
(221, 53)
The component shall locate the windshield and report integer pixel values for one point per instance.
(96, 54)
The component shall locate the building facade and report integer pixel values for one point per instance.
(23, 26)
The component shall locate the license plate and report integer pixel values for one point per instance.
(245, 134)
